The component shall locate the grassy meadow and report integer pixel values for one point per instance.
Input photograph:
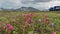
(21, 26)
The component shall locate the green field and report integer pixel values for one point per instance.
(16, 19)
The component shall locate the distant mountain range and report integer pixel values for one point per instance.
(21, 9)
(27, 9)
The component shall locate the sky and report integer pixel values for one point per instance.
(38, 4)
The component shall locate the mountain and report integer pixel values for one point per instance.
(27, 9)
(22, 9)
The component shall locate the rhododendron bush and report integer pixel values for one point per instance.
(30, 23)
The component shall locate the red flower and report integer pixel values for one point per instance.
(29, 21)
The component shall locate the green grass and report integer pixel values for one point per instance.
(16, 19)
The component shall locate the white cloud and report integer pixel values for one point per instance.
(31, 3)
(46, 5)
(0, 2)
(54, 3)
(16, 2)
(10, 4)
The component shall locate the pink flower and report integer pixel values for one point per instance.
(29, 15)
(10, 27)
(28, 18)
(29, 21)
(54, 32)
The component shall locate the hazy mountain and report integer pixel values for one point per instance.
(27, 9)
(21, 9)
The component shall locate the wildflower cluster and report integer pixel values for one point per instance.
(28, 18)
(24, 23)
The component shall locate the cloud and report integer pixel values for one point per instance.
(54, 3)
(10, 4)
(0, 2)
(39, 4)
(43, 0)
(34, 1)
(46, 5)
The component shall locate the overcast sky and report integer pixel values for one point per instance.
(39, 4)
